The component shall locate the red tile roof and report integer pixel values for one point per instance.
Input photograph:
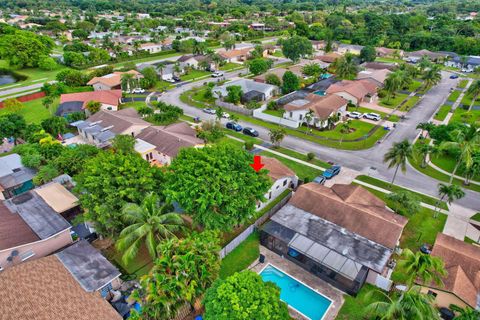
(110, 97)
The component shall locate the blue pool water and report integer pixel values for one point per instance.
(296, 295)
(320, 93)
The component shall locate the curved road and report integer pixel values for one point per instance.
(368, 161)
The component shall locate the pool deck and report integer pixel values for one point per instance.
(304, 276)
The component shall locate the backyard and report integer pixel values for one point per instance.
(241, 257)
(34, 111)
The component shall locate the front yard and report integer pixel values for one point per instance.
(464, 116)
(442, 112)
(394, 101)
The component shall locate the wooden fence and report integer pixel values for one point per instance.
(242, 236)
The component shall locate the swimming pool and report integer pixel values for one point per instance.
(320, 93)
(297, 295)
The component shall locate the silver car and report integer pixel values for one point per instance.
(372, 116)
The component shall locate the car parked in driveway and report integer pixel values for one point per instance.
(372, 116)
(250, 132)
(320, 180)
(209, 111)
(354, 115)
(234, 126)
(138, 90)
(332, 171)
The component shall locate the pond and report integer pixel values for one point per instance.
(7, 77)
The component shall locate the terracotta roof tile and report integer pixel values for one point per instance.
(110, 97)
(276, 169)
(234, 53)
(321, 106)
(43, 289)
(359, 88)
(353, 208)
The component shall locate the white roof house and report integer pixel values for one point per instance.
(247, 85)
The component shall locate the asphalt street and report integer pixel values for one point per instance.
(369, 161)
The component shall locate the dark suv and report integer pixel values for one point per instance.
(250, 132)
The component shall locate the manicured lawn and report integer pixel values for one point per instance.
(354, 307)
(464, 116)
(395, 188)
(447, 163)
(194, 74)
(410, 103)
(230, 66)
(278, 53)
(241, 257)
(359, 129)
(147, 59)
(34, 111)
(476, 217)
(302, 156)
(414, 86)
(468, 240)
(454, 96)
(468, 99)
(388, 60)
(277, 113)
(463, 83)
(442, 112)
(32, 74)
(135, 104)
(301, 170)
(394, 102)
(367, 110)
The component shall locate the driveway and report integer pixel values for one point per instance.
(364, 160)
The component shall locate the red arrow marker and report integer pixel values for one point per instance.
(257, 163)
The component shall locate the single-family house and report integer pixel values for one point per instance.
(151, 47)
(167, 44)
(193, 61)
(59, 286)
(344, 234)
(223, 24)
(320, 109)
(461, 286)
(112, 81)
(377, 77)
(329, 58)
(77, 102)
(31, 226)
(388, 52)
(349, 48)
(279, 72)
(161, 144)
(236, 55)
(415, 56)
(258, 26)
(252, 90)
(282, 177)
(379, 65)
(354, 91)
(15, 178)
(100, 128)
(466, 64)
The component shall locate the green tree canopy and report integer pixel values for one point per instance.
(234, 94)
(244, 295)
(12, 125)
(290, 82)
(55, 125)
(216, 185)
(296, 47)
(259, 65)
(368, 54)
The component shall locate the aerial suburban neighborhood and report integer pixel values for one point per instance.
(237, 160)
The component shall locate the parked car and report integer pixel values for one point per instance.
(138, 90)
(217, 74)
(250, 132)
(209, 111)
(176, 78)
(454, 76)
(170, 80)
(332, 171)
(320, 180)
(234, 126)
(354, 115)
(225, 115)
(372, 116)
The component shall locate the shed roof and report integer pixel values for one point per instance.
(57, 197)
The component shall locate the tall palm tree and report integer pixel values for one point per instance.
(432, 76)
(344, 128)
(474, 90)
(346, 67)
(126, 81)
(422, 266)
(425, 126)
(149, 223)
(425, 152)
(465, 314)
(473, 171)
(449, 193)
(397, 157)
(424, 63)
(408, 305)
(309, 118)
(466, 141)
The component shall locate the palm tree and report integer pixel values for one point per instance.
(473, 171)
(277, 135)
(126, 81)
(432, 76)
(148, 223)
(397, 157)
(346, 67)
(393, 82)
(309, 118)
(422, 266)
(474, 90)
(465, 314)
(344, 128)
(408, 305)
(467, 142)
(450, 193)
(219, 113)
(425, 126)
(425, 152)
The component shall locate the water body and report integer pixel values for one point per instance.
(7, 77)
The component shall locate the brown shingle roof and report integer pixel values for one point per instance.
(113, 79)
(353, 208)
(43, 289)
(110, 97)
(359, 88)
(462, 261)
(321, 106)
(170, 139)
(276, 169)
(14, 231)
(121, 120)
(329, 57)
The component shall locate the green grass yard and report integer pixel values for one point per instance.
(241, 257)
(277, 113)
(464, 116)
(231, 66)
(442, 112)
(411, 102)
(393, 118)
(301, 170)
(476, 217)
(453, 96)
(414, 86)
(354, 308)
(34, 111)
(278, 54)
(463, 83)
(394, 101)
(194, 74)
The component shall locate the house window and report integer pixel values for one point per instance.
(300, 117)
(432, 293)
(151, 156)
(291, 114)
(284, 182)
(269, 195)
(277, 187)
